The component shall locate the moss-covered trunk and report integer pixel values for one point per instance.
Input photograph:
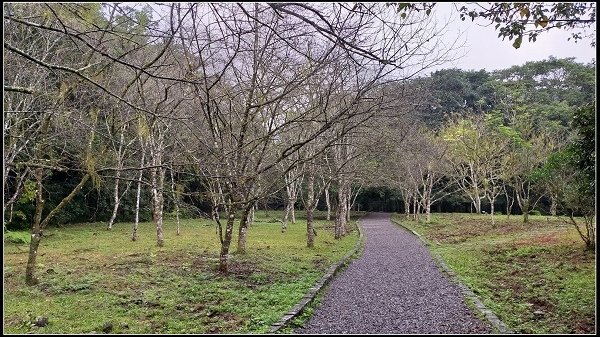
(243, 230)
(310, 191)
(226, 240)
(36, 230)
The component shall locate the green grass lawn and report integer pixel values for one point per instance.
(91, 278)
(519, 269)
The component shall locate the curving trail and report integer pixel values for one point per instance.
(395, 287)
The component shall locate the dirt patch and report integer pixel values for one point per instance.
(241, 269)
(458, 228)
(82, 250)
(204, 262)
(13, 320)
(541, 304)
(452, 238)
(541, 239)
(575, 256)
(584, 325)
(522, 270)
(222, 321)
(199, 308)
(247, 272)
(141, 303)
(516, 288)
(319, 262)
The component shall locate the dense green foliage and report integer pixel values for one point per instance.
(456, 90)
(534, 109)
(584, 147)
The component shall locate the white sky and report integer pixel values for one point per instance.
(485, 50)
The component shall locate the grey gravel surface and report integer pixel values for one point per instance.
(395, 287)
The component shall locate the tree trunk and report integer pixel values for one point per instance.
(328, 203)
(243, 230)
(9, 216)
(134, 235)
(288, 205)
(251, 215)
(38, 225)
(406, 200)
(310, 190)
(36, 230)
(342, 209)
(18, 189)
(286, 216)
(310, 229)
(116, 201)
(525, 211)
(428, 194)
(553, 205)
(291, 189)
(348, 209)
(589, 235)
(508, 205)
(175, 200)
(522, 193)
(226, 241)
(492, 200)
(492, 211)
(293, 209)
(349, 206)
(157, 183)
(477, 204)
(289, 210)
(30, 278)
(416, 208)
(214, 198)
(524, 205)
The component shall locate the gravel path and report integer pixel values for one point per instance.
(394, 287)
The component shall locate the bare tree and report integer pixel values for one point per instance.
(175, 193)
(467, 157)
(431, 170)
(233, 78)
(134, 234)
(527, 155)
(62, 116)
(120, 152)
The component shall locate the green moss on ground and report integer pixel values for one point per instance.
(93, 279)
(536, 277)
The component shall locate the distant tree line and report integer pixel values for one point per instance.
(518, 140)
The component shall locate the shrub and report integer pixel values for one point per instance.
(17, 237)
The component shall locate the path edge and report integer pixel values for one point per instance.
(467, 292)
(314, 290)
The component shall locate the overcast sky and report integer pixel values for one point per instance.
(485, 50)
